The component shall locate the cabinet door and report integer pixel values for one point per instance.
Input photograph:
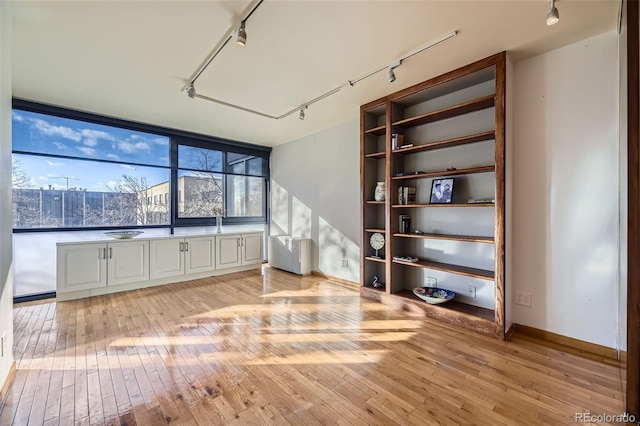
(81, 267)
(200, 254)
(127, 262)
(252, 249)
(228, 251)
(166, 258)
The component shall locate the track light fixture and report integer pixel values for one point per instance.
(553, 16)
(191, 91)
(242, 34)
(301, 116)
(391, 76)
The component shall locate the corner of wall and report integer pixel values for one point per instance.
(6, 250)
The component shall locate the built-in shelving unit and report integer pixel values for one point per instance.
(451, 126)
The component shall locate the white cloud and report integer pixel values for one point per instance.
(43, 178)
(50, 175)
(51, 130)
(113, 157)
(112, 184)
(126, 166)
(91, 137)
(53, 164)
(17, 117)
(130, 148)
(88, 151)
(60, 145)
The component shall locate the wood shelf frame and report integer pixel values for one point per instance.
(441, 173)
(392, 114)
(377, 131)
(447, 143)
(465, 238)
(376, 155)
(420, 206)
(449, 112)
(447, 267)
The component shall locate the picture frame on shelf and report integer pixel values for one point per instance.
(442, 191)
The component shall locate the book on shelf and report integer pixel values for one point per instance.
(481, 201)
(406, 195)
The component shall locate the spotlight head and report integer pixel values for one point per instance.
(242, 34)
(301, 116)
(391, 76)
(553, 16)
(191, 91)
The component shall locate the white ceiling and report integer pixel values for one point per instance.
(131, 59)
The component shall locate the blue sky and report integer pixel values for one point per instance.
(53, 135)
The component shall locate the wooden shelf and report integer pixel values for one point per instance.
(374, 202)
(478, 137)
(464, 308)
(449, 112)
(374, 230)
(377, 131)
(467, 238)
(376, 155)
(453, 313)
(400, 206)
(375, 259)
(446, 267)
(440, 173)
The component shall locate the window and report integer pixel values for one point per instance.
(58, 182)
(216, 182)
(78, 170)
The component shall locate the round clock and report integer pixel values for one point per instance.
(377, 242)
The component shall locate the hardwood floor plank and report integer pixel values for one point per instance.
(278, 349)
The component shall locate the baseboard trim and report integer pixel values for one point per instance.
(7, 383)
(567, 344)
(351, 285)
(509, 334)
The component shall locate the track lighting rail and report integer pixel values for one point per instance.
(191, 91)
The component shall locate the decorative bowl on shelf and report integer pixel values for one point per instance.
(434, 295)
(122, 235)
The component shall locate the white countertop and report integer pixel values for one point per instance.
(104, 239)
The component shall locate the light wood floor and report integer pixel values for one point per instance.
(278, 349)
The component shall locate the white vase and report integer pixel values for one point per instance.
(219, 224)
(379, 193)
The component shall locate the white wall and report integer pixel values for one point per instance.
(315, 190)
(566, 185)
(6, 285)
(624, 187)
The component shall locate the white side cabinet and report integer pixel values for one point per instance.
(178, 256)
(238, 250)
(290, 253)
(93, 265)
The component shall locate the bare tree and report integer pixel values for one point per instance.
(19, 178)
(143, 204)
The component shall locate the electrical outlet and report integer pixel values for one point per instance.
(432, 282)
(345, 263)
(523, 298)
(471, 291)
(3, 340)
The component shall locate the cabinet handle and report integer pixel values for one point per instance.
(239, 242)
(186, 246)
(110, 253)
(181, 246)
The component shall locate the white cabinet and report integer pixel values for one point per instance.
(238, 250)
(81, 267)
(291, 254)
(88, 266)
(178, 256)
(199, 254)
(99, 267)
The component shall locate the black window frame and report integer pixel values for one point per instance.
(176, 137)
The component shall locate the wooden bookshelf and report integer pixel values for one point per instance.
(447, 143)
(447, 267)
(420, 206)
(449, 112)
(442, 173)
(466, 238)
